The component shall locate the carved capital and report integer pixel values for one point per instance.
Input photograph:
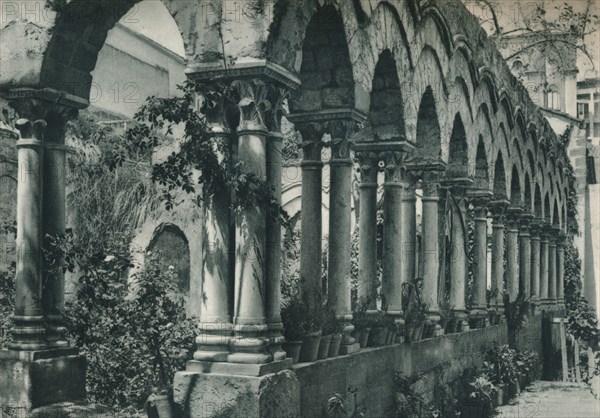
(394, 165)
(368, 164)
(251, 98)
(276, 96)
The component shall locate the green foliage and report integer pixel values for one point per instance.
(330, 324)
(410, 403)
(500, 364)
(7, 303)
(515, 313)
(201, 159)
(134, 335)
(482, 389)
(414, 309)
(360, 319)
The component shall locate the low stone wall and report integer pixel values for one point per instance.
(370, 372)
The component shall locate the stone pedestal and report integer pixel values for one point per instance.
(30, 379)
(200, 395)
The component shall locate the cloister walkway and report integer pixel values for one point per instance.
(553, 400)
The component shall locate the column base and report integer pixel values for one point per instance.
(213, 342)
(200, 395)
(238, 369)
(32, 379)
(276, 339)
(462, 320)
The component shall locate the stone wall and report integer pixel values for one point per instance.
(371, 371)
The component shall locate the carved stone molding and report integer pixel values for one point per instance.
(368, 164)
(394, 165)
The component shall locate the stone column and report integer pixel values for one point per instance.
(311, 222)
(552, 269)
(276, 96)
(340, 231)
(29, 332)
(544, 267)
(251, 342)
(497, 287)
(408, 229)
(39, 342)
(367, 230)
(392, 234)
(525, 255)
(479, 311)
(216, 322)
(431, 247)
(459, 258)
(512, 253)
(535, 262)
(560, 270)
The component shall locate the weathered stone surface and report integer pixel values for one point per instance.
(39, 379)
(212, 395)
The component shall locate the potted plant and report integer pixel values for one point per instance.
(329, 327)
(479, 401)
(336, 329)
(415, 311)
(293, 312)
(494, 314)
(311, 334)
(360, 321)
(378, 324)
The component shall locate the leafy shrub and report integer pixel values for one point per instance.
(501, 364)
(134, 336)
(7, 303)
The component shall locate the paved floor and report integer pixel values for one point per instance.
(553, 400)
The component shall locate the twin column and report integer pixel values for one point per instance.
(39, 299)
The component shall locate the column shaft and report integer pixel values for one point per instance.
(408, 231)
(535, 264)
(512, 260)
(552, 271)
(544, 269)
(560, 274)
(458, 262)
(54, 201)
(273, 265)
(367, 252)
(340, 242)
(311, 225)
(251, 344)
(392, 247)
(29, 332)
(480, 261)
(431, 265)
(498, 261)
(525, 259)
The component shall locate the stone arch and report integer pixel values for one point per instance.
(499, 178)
(488, 83)
(386, 114)
(522, 130)
(428, 144)
(458, 154)
(326, 71)
(528, 200)
(173, 250)
(556, 215)
(537, 202)
(481, 166)
(77, 35)
(547, 214)
(507, 107)
(515, 188)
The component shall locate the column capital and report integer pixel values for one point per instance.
(394, 161)
(368, 164)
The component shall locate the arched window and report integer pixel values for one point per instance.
(173, 250)
(553, 98)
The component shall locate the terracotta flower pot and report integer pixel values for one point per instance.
(158, 405)
(502, 394)
(363, 337)
(334, 346)
(324, 347)
(391, 337)
(310, 346)
(292, 349)
(377, 337)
